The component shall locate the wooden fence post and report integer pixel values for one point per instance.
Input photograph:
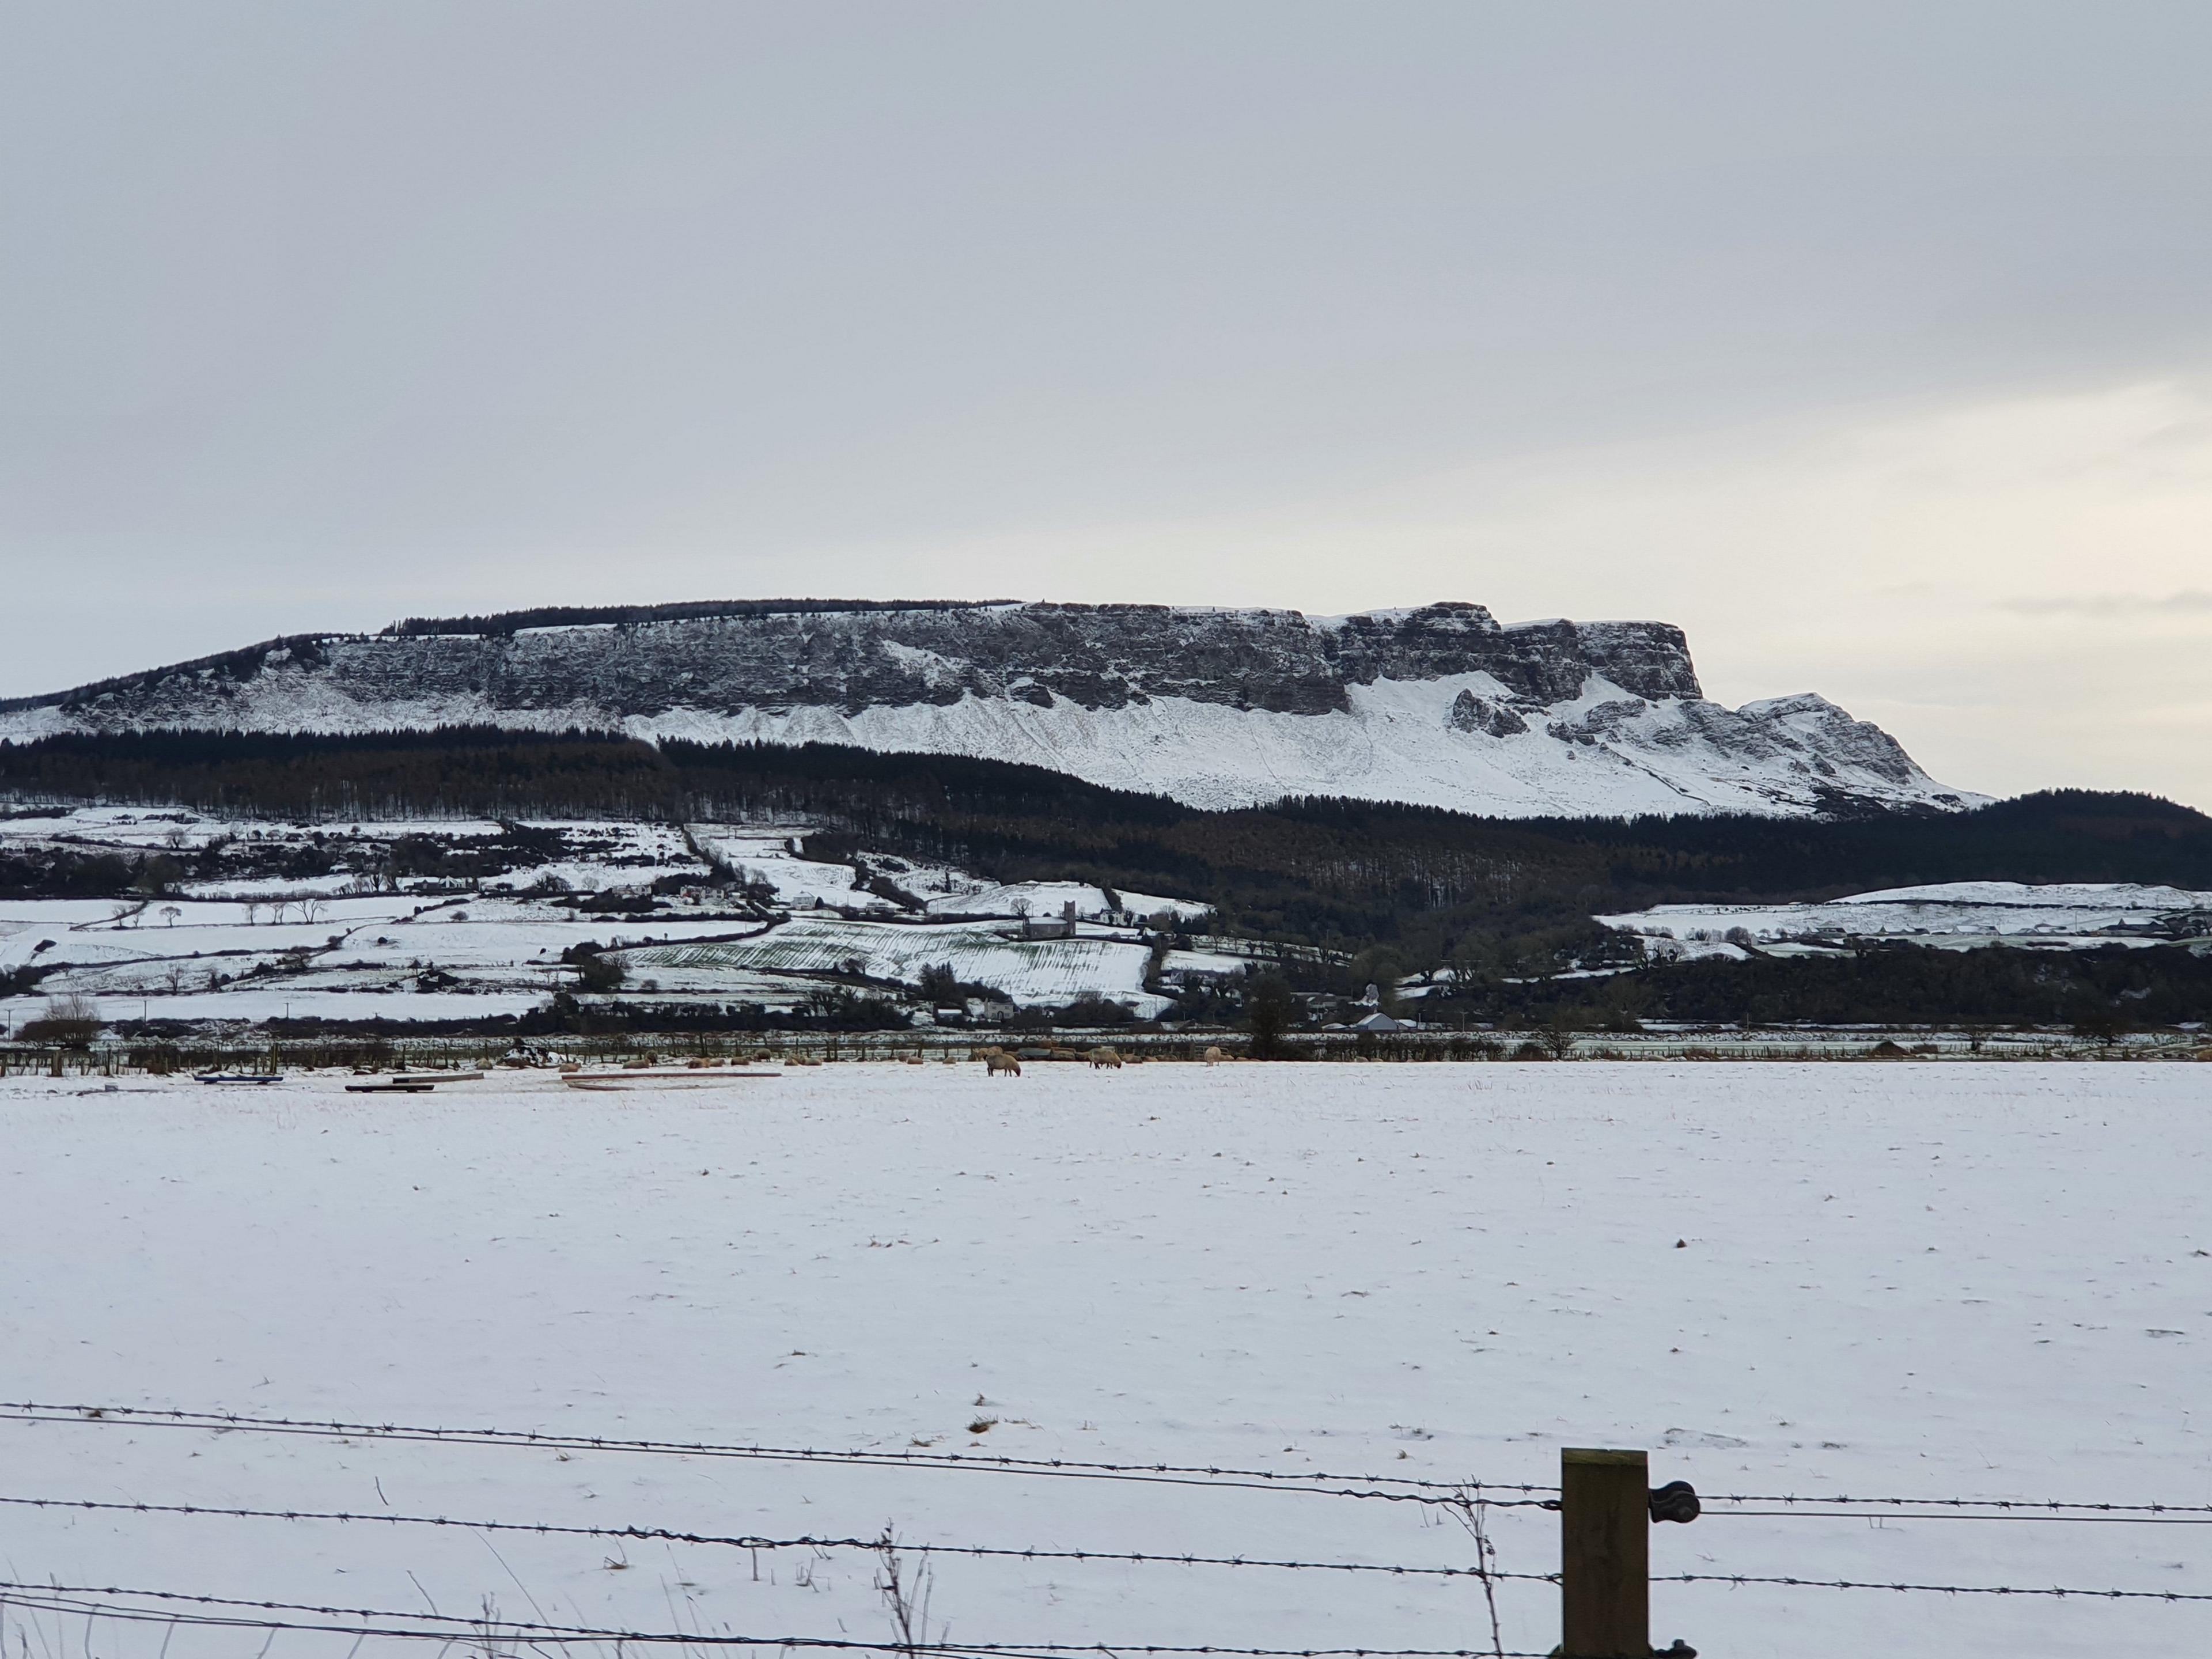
(1605, 1554)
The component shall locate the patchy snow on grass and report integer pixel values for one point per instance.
(1979, 912)
(2072, 895)
(980, 953)
(608, 856)
(361, 959)
(243, 944)
(1044, 901)
(1981, 1281)
(316, 999)
(156, 829)
(771, 855)
(286, 888)
(1206, 964)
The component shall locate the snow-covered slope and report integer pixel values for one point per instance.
(1441, 706)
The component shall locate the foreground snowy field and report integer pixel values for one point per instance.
(1984, 1281)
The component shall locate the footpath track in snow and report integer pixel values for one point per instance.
(1985, 1282)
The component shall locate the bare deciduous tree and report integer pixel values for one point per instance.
(72, 1021)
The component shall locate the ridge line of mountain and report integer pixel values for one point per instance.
(1437, 704)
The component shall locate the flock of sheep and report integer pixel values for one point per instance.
(997, 1062)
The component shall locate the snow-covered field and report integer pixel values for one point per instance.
(1957, 914)
(1045, 899)
(1039, 971)
(367, 959)
(768, 855)
(1959, 1281)
(363, 940)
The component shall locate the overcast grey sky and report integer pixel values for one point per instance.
(1869, 342)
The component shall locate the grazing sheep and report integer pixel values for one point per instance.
(995, 1062)
(1214, 1056)
(1101, 1058)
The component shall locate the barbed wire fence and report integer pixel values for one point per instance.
(450, 1627)
(1388, 1488)
(749, 1541)
(1468, 1502)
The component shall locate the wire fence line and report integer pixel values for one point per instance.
(452, 1627)
(749, 1541)
(1398, 1488)
(1938, 1589)
(1467, 1500)
(2033, 1508)
(1443, 1493)
(1952, 1515)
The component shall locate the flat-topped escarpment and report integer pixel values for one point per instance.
(1440, 704)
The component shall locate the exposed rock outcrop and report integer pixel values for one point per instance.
(1441, 704)
(1472, 714)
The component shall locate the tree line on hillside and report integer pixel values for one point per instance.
(2099, 992)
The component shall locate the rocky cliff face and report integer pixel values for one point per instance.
(1441, 704)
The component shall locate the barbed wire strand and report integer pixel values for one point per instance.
(448, 1627)
(1446, 1493)
(2002, 1505)
(1960, 1515)
(748, 1541)
(1941, 1589)
(1439, 1493)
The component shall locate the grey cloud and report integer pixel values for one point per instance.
(320, 315)
(2190, 601)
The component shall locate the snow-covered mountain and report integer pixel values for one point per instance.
(1440, 706)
